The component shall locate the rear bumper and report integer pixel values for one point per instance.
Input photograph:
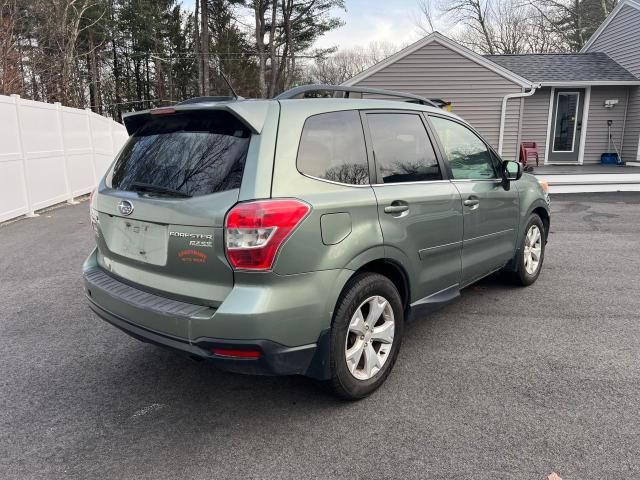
(275, 359)
(280, 319)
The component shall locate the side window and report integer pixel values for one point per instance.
(402, 149)
(468, 156)
(497, 162)
(332, 147)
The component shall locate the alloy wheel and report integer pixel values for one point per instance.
(532, 250)
(370, 337)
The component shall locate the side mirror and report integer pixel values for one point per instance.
(512, 170)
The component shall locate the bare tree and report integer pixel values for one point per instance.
(491, 26)
(378, 51)
(350, 173)
(59, 41)
(340, 66)
(573, 20)
(607, 6)
(337, 68)
(426, 19)
(260, 9)
(519, 28)
(196, 46)
(285, 29)
(10, 77)
(204, 47)
(475, 15)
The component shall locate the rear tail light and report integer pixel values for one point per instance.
(255, 231)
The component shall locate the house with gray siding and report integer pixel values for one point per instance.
(619, 38)
(566, 103)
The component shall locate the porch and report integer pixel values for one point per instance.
(594, 168)
(590, 178)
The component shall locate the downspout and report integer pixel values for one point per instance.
(624, 121)
(503, 115)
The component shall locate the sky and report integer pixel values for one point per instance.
(366, 21)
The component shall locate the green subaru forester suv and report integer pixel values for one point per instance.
(297, 235)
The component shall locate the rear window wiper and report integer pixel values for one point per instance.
(150, 188)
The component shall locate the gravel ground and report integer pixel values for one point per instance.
(504, 382)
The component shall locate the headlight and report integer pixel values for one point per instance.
(544, 185)
(545, 188)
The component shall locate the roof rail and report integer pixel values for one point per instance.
(299, 92)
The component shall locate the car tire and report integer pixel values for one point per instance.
(528, 267)
(369, 321)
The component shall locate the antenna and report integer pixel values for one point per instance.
(226, 80)
(224, 77)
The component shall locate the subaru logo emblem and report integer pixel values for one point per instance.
(125, 207)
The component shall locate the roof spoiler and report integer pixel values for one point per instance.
(251, 113)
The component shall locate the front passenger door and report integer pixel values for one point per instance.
(490, 211)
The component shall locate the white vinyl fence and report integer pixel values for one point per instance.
(51, 154)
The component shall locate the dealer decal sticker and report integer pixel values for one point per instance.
(192, 256)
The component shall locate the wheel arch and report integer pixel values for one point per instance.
(540, 208)
(543, 213)
(394, 272)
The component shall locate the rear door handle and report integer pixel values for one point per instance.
(471, 202)
(396, 208)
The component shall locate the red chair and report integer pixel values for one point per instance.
(527, 151)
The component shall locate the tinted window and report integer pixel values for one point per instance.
(332, 147)
(193, 153)
(468, 156)
(403, 151)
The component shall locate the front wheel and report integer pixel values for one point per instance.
(531, 253)
(366, 335)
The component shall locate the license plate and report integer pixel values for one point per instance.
(142, 241)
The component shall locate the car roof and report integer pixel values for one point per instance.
(254, 111)
(325, 105)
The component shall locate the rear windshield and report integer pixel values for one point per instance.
(194, 153)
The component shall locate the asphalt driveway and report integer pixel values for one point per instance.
(502, 383)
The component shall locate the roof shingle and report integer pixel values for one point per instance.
(564, 67)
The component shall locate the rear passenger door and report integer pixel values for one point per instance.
(419, 209)
(490, 212)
